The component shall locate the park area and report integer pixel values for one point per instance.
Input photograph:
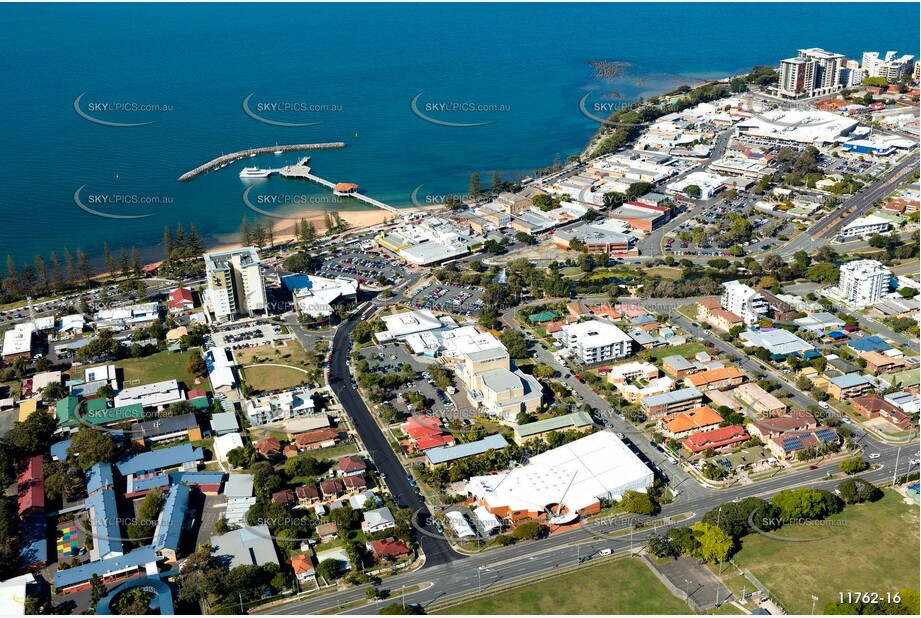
(270, 377)
(624, 586)
(871, 547)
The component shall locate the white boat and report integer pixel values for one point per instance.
(255, 172)
(278, 152)
(252, 155)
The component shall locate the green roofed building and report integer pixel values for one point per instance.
(66, 411)
(97, 412)
(580, 421)
(543, 316)
(199, 403)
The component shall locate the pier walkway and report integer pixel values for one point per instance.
(237, 156)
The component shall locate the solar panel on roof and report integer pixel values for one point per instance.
(790, 444)
(825, 435)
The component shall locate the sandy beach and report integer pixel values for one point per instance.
(284, 228)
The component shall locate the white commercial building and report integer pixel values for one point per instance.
(315, 296)
(564, 482)
(220, 364)
(797, 127)
(128, 316)
(709, 184)
(18, 342)
(236, 285)
(743, 301)
(863, 283)
(864, 226)
(777, 341)
(151, 395)
(596, 341)
(401, 325)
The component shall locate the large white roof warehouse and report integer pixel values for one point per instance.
(806, 127)
(568, 481)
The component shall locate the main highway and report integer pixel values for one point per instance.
(852, 208)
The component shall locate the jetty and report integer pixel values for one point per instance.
(342, 189)
(237, 156)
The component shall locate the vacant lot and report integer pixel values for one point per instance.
(157, 368)
(269, 378)
(686, 350)
(623, 586)
(875, 549)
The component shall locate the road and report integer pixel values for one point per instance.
(437, 550)
(481, 572)
(826, 228)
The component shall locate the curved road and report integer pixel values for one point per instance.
(437, 550)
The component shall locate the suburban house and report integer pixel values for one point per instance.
(715, 378)
(768, 428)
(389, 549)
(848, 386)
(682, 424)
(715, 439)
(759, 400)
(786, 446)
(377, 520)
(874, 406)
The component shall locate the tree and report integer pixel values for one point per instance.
(715, 544)
(246, 238)
(853, 466)
(517, 346)
(528, 530)
(856, 490)
(734, 517)
(97, 590)
(136, 266)
(497, 183)
(329, 570)
(196, 365)
(308, 232)
(475, 189)
(91, 446)
(543, 371)
(803, 503)
(683, 540)
(54, 392)
(692, 191)
(64, 480)
(659, 546)
(637, 502)
(167, 243)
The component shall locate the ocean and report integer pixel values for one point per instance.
(511, 74)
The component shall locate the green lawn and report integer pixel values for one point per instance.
(686, 350)
(159, 367)
(623, 586)
(875, 549)
(270, 379)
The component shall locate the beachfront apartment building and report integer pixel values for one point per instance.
(863, 282)
(744, 302)
(813, 72)
(236, 285)
(891, 66)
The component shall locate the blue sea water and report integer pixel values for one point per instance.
(363, 64)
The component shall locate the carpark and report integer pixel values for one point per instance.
(696, 580)
(363, 266)
(247, 334)
(456, 299)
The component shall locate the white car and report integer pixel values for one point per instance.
(605, 552)
(914, 462)
(875, 456)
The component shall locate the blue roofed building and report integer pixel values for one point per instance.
(447, 454)
(161, 459)
(848, 386)
(169, 525)
(104, 525)
(33, 542)
(873, 343)
(141, 484)
(111, 569)
(205, 482)
(100, 476)
(59, 450)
